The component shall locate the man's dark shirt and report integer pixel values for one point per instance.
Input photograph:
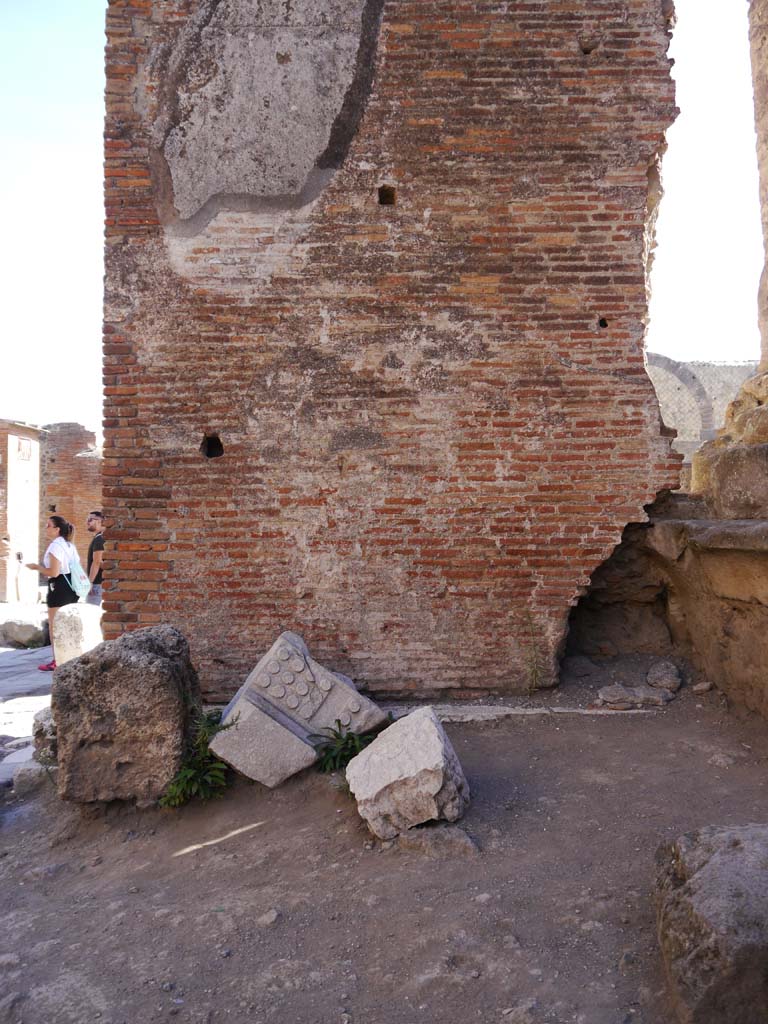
(97, 544)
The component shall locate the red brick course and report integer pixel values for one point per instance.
(436, 422)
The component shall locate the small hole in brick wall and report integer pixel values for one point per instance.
(387, 195)
(51, 508)
(603, 322)
(588, 46)
(212, 448)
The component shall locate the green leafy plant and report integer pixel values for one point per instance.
(531, 648)
(336, 747)
(202, 775)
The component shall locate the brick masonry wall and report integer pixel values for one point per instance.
(434, 415)
(70, 479)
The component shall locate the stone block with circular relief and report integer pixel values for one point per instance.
(308, 693)
(286, 701)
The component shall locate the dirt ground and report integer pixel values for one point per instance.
(277, 906)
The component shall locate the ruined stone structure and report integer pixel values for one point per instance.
(376, 284)
(694, 396)
(56, 468)
(70, 478)
(692, 581)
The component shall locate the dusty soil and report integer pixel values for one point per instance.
(124, 917)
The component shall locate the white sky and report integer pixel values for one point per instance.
(709, 252)
(708, 259)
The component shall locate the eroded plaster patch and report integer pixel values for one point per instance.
(264, 98)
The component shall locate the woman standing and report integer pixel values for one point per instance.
(57, 563)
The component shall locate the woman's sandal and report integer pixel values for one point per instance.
(47, 668)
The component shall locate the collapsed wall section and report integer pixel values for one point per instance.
(374, 362)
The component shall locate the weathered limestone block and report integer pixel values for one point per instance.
(257, 79)
(288, 691)
(22, 625)
(76, 629)
(712, 913)
(123, 716)
(408, 775)
(733, 478)
(264, 744)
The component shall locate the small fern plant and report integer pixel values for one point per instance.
(336, 747)
(201, 775)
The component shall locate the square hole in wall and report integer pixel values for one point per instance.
(387, 195)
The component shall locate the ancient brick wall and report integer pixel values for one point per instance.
(403, 300)
(70, 479)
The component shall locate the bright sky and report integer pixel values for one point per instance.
(709, 252)
(708, 260)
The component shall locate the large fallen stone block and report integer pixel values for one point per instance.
(124, 714)
(408, 775)
(287, 699)
(76, 629)
(264, 744)
(712, 912)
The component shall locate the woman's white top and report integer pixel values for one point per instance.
(64, 551)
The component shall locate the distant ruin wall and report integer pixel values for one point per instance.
(376, 286)
(70, 479)
(694, 396)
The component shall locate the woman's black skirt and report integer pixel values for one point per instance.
(60, 592)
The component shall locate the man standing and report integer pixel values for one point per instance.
(95, 524)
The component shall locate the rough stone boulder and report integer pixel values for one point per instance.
(286, 701)
(21, 625)
(123, 715)
(664, 675)
(408, 775)
(712, 912)
(76, 629)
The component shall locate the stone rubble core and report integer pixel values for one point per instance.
(712, 915)
(687, 586)
(124, 715)
(408, 775)
(287, 701)
(76, 629)
(661, 684)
